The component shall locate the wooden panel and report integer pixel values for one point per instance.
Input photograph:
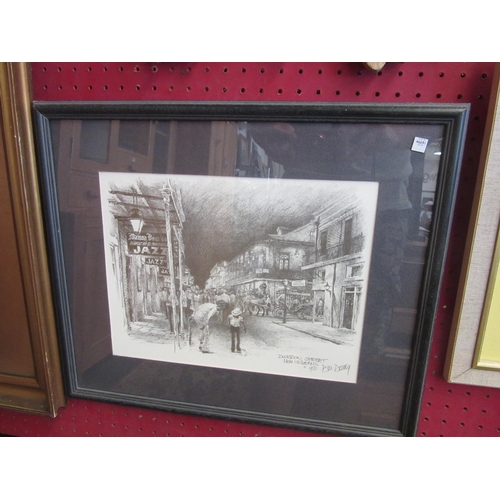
(30, 369)
(16, 355)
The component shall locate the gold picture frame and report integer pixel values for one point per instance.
(30, 369)
(473, 328)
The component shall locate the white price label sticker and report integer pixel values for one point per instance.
(419, 144)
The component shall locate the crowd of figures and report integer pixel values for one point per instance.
(227, 308)
(199, 307)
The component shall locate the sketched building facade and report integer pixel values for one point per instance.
(148, 257)
(338, 261)
(271, 261)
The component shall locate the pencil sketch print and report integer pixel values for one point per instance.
(259, 275)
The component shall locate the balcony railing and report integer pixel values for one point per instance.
(344, 248)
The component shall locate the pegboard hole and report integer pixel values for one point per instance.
(154, 69)
(339, 72)
(280, 91)
(398, 94)
(225, 70)
(262, 70)
(105, 87)
(318, 92)
(171, 88)
(137, 87)
(358, 93)
(105, 68)
(300, 71)
(320, 71)
(463, 75)
(154, 87)
(137, 69)
(89, 68)
(438, 96)
(261, 91)
(421, 74)
(243, 70)
(224, 89)
(337, 93)
(206, 89)
(90, 87)
(188, 89)
(441, 75)
(400, 73)
(207, 70)
(121, 87)
(299, 91)
(242, 90)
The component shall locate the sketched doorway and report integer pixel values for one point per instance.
(350, 307)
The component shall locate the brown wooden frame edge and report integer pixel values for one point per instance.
(43, 394)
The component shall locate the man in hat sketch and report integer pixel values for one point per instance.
(202, 317)
(236, 323)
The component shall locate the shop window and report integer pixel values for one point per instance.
(284, 262)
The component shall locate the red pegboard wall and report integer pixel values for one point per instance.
(447, 409)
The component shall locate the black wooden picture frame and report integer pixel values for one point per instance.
(411, 152)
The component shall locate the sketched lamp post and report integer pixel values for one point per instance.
(136, 220)
(135, 215)
(285, 284)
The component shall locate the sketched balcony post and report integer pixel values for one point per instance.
(167, 199)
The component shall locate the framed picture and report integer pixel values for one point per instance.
(272, 263)
(473, 355)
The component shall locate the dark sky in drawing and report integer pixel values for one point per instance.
(226, 215)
